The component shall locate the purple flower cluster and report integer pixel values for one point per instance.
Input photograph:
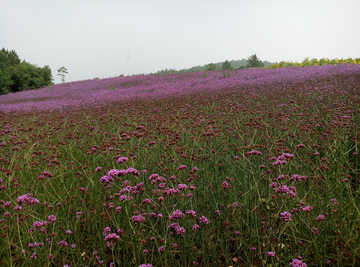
(63, 243)
(284, 189)
(177, 214)
(34, 244)
(171, 191)
(281, 160)
(182, 167)
(253, 152)
(182, 187)
(52, 218)
(306, 209)
(225, 185)
(146, 201)
(109, 178)
(37, 224)
(27, 199)
(297, 263)
(45, 174)
(300, 146)
(298, 178)
(112, 237)
(193, 213)
(138, 219)
(204, 220)
(286, 216)
(122, 159)
(180, 231)
(196, 226)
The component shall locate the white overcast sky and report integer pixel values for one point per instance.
(93, 38)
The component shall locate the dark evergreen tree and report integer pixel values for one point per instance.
(226, 65)
(254, 62)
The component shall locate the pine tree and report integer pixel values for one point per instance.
(254, 62)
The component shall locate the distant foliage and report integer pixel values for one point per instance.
(254, 62)
(211, 67)
(314, 62)
(235, 64)
(17, 75)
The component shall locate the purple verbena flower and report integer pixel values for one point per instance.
(306, 209)
(52, 218)
(286, 216)
(112, 237)
(98, 169)
(177, 214)
(122, 159)
(180, 231)
(297, 263)
(138, 219)
(196, 226)
(193, 213)
(63, 243)
(204, 220)
(182, 167)
(182, 187)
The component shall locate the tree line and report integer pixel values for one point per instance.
(251, 62)
(17, 75)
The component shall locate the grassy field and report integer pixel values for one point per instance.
(255, 168)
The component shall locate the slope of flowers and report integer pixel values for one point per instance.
(258, 169)
(92, 93)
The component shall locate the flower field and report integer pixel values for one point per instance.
(255, 167)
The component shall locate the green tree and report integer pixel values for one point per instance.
(17, 76)
(8, 59)
(5, 82)
(47, 75)
(27, 76)
(61, 72)
(254, 62)
(226, 65)
(210, 67)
